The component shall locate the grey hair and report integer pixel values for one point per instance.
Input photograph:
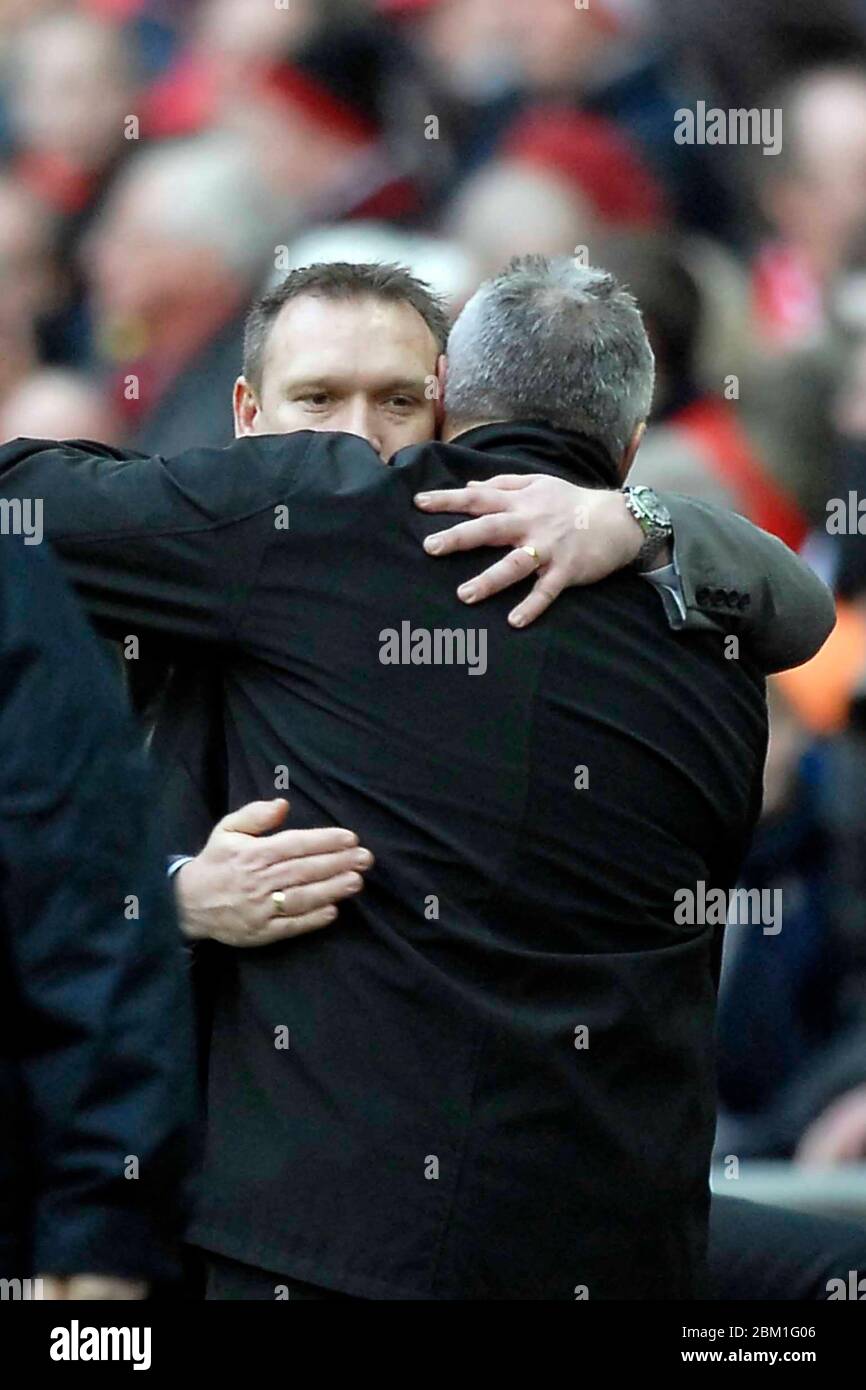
(204, 191)
(554, 341)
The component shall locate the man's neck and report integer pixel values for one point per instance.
(538, 446)
(452, 429)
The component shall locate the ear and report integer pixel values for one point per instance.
(631, 449)
(245, 407)
(441, 381)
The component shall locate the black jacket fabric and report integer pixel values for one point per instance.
(493, 1077)
(95, 1088)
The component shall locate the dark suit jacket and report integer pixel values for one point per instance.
(193, 411)
(439, 1125)
(94, 1000)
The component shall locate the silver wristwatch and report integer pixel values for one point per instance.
(653, 518)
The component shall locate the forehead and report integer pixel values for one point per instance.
(363, 337)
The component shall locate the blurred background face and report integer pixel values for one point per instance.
(821, 203)
(56, 404)
(298, 157)
(139, 271)
(71, 90)
(468, 42)
(178, 245)
(556, 45)
(233, 37)
(232, 33)
(509, 210)
(360, 366)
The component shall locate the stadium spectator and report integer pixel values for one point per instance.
(55, 403)
(813, 195)
(72, 86)
(188, 232)
(697, 443)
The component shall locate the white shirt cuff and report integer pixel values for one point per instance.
(669, 585)
(178, 863)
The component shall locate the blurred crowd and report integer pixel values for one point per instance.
(163, 160)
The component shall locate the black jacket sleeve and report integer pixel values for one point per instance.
(97, 1019)
(173, 546)
(165, 546)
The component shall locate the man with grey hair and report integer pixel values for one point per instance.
(494, 1078)
(186, 236)
(596, 375)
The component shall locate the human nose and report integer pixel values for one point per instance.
(362, 420)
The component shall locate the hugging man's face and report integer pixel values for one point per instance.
(364, 366)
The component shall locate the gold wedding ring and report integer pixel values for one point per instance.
(531, 551)
(279, 901)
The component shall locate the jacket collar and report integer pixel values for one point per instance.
(564, 453)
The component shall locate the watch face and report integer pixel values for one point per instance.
(655, 510)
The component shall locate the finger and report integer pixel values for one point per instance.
(518, 564)
(506, 482)
(311, 896)
(294, 844)
(282, 928)
(256, 817)
(477, 500)
(468, 535)
(313, 868)
(547, 588)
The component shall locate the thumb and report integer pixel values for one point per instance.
(256, 817)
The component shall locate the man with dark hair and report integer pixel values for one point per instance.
(335, 347)
(495, 1078)
(343, 347)
(339, 280)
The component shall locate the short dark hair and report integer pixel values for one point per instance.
(340, 280)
